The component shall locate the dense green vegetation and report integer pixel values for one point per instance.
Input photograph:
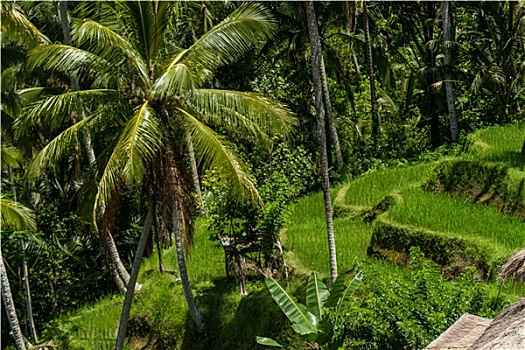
(162, 160)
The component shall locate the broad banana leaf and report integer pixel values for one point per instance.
(356, 282)
(337, 289)
(316, 295)
(271, 342)
(296, 312)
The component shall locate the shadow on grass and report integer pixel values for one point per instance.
(232, 321)
(513, 159)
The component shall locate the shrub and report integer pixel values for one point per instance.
(409, 312)
(453, 253)
(482, 182)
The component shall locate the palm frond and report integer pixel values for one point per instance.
(56, 111)
(223, 44)
(105, 42)
(10, 156)
(57, 148)
(242, 112)
(17, 27)
(68, 60)
(213, 151)
(138, 144)
(138, 21)
(178, 80)
(15, 216)
(229, 40)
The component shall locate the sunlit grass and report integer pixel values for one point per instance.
(306, 236)
(500, 144)
(370, 188)
(446, 213)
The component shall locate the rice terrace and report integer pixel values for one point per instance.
(248, 175)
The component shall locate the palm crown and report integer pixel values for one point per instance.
(149, 93)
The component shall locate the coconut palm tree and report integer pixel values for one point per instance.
(14, 216)
(315, 47)
(145, 96)
(446, 14)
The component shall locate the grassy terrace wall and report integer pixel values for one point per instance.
(491, 183)
(453, 253)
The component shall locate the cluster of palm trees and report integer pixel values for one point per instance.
(137, 103)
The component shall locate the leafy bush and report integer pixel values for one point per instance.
(482, 182)
(453, 253)
(408, 313)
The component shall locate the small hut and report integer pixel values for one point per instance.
(469, 332)
(506, 331)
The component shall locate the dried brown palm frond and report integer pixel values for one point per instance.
(514, 267)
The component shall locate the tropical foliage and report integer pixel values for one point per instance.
(115, 113)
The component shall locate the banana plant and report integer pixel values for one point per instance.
(311, 321)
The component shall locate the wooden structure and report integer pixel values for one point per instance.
(244, 252)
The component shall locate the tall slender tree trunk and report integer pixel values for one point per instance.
(195, 175)
(110, 246)
(25, 277)
(64, 20)
(186, 287)
(329, 114)
(351, 21)
(27, 289)
(123, 324)
(9, 304)
(313, 37)
(446, 13)
(376, 121)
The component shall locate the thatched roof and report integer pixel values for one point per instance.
(506, 332)
(462, 334)
(514, 267)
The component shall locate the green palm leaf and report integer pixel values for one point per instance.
(57, 148)
(109, 45)
(213, 151)
(17, 27)
(178, 80)
(55, 111)
(223, 44)
(242, 112)
(296, 312)
(138, 144)
(10, 156)
(68, 60)
(316, 295)
(229, 40)
(15, 216)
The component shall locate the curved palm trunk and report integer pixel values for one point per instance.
(123, 325)
(64, 19)
(313, 37)
(447, 53)
(376, 122)
(116, 264)
(186, 287)
(9, 304)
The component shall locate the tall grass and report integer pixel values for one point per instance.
(500, 144)
(370, 188)
(460, 216)
(306, 236)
